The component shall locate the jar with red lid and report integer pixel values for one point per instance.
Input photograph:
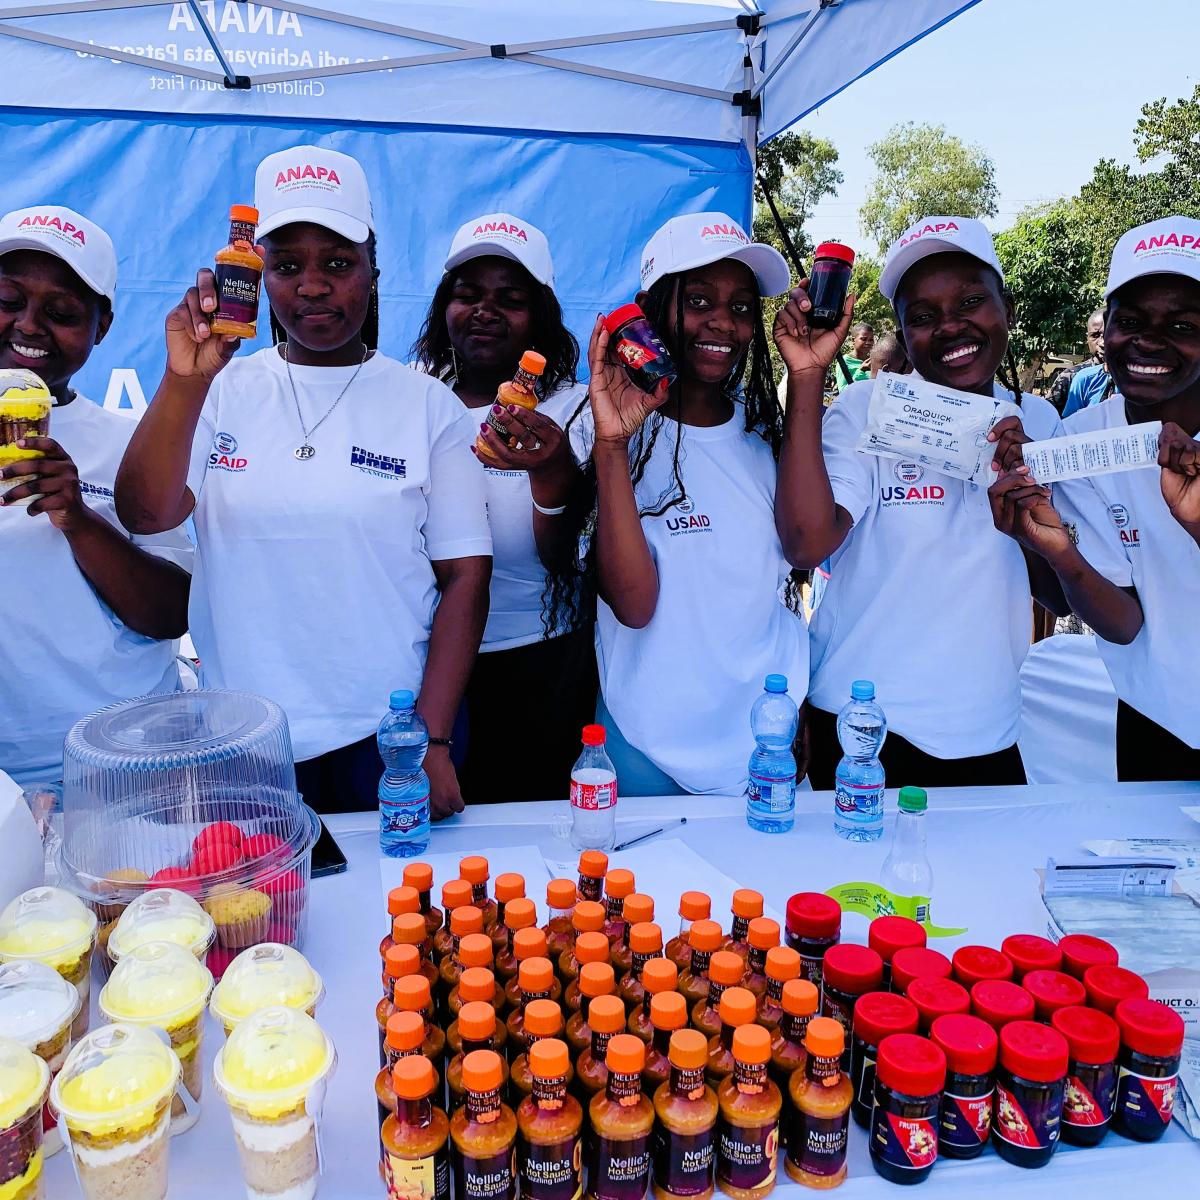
(814, 923)
(829, 284)
(848, 972)
(973, 963)
(889, 934)
(639, 349)
(1093, 1039)
(917, 962)
(1106, 987)
(1082, 950)
(1052, 990)
(1147, 1068)
(1028, 952)
(965, 1118)
(910, 1074)
(998, 1001)
(876, 1016)
(1031, 1083)
(935, 998)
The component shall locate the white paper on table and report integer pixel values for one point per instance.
(942, 428)
(22, 864)
(1189, 1088)
(1099, 452)
(1184, 853)
(1190, 810)
(525, 860)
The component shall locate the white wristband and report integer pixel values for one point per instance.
(550, 512)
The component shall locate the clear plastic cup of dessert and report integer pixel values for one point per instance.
(50, 926)
(162, 986)
(24, 1082)
(113, 1098)
(264, 976)
(163, 915)
(37, 1009)
(25, 404)
(273, 1072)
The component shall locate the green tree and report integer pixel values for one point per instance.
(920, 171)
(800, 170)
(869, 303)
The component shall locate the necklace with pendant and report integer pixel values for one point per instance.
(306, 450)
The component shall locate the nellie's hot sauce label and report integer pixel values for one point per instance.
(619, 1168)
(237, 294)
(817, 1145)
(551, 1171)
(418, 1178)
(490, 1177)
(683, 1162)
(747, 1155)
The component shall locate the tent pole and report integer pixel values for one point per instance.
(232, 80)
(790, 48)
(750, 118)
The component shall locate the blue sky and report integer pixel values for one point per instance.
(1046, 87)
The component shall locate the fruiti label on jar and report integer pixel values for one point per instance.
(966, 1121)
(418, 1178)
(593, 796)
(906, 1142)
(683, 1162)
(551, 1172)
(493, 1177)
(619, 1168)
(1143, 1100)
(818, 1144)
(747, 1155)
(1032, 1122)
(1091, 1094)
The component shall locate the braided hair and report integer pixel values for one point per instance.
(370, 327)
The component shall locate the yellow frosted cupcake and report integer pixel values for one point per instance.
(116, 891)
(241, 916)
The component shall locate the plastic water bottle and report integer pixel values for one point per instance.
(593, 794)
(771, 790)
(906, 871)
(404, 787)
(858, 795)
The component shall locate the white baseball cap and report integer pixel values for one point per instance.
(936, 235)
(1170, 246)
(697, 239)
(507, 236)
(80, 243)
(312, 184)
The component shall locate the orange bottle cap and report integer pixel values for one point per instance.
(401, 960)
(405, 1031)
(627, 1054)
(476, 1021)
(535, 975)
(645, 938)
(455, 893)
(660, 975)
(688, 1050)
(560, 893)
(591, 947)
(509, 886)
(474, 868)
(243, 212)
(747, 903)
(466, 919)
(408, 929)
(532, 362)
(403, 899)
(637, 908)
(596, 979)
(543, 1018)
(668, 1010)
(751, 1044)
(419, 875)
(589, 916)
(799, 998)
(519, 913)
(618, 883)
(482, 1071)
(705, 936)
(549, 1058)
(411, 994)
(763, 933)
(783, 963)
(476, 983)
(738, 1006)
(824, 1037)
(529, 943)
(593, 864)
(413, 1078)
(695, 906)
(474, 950)
(726, 967)
(606, 1014)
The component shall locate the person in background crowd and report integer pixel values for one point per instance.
(342, 538)
(855, 367)
(930, 585)
(1091, 383)
(696, 604)
(91, 614)
(495, 301)
(1094, 336)
(888, 355)
(1152, 341)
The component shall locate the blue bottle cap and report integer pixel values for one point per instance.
(862, 689)
(776, 683)
(402, 698)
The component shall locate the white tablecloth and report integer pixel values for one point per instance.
(984, 844)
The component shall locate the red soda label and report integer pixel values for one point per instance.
(593, 796)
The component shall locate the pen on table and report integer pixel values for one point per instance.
(646, 836)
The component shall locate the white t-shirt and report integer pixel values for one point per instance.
(1155, 672)
(314, 583)
(64, 652)
(926, 597)
(681, 689)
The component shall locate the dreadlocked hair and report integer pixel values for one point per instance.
(370, 327)
(551, 338)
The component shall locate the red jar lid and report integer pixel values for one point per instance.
(1093, 1037)
(814, 915)
(973, 963)
(1108, 986)
(877, 1014)
(618, 317)
(853, 969)
(1081, 950)
(889, 934)
(918, 962)
(1052, 990)
(969, 1044)
(834, 250)
(911, 1065)
(1032, 953)
(998, 1001)
(936, 997)
(1150, 1028)
(1033, 1051)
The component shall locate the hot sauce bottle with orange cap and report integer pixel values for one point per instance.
(484, 1133)
(587, 918)
(704, 939)
(543, 1019)
(527, 943)
(799, 1006)
(456, 893)
(645, 944)
(593, 866)
(476, 871)
(412, 995)
(550, 1122)
(477, 1030)
(536, 982)
(589, 948)
(239, 272)
(521, 391)
(762, 936)
(409, 931)
(475, 983)
(725, 970)
(747, 904)
(783, 965)
(819, 1120)
(638, 909)
(454, 1039)
(658, 975)
(622, 1119)
(737, 1008)
(518, 914)
(415, 1140)
(683, 1149)
(403, 899)
(419, 875)
(595, 980)
(618, 884)
(397, 962)
(405, 1039)
(606, 1019)
(473, 950)
(693, 906)
(560, 905)
(509, 887)
(748, 1128)
(668, 1013)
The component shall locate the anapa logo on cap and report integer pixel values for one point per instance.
(489, 229)
(306, 175)
(724, 232)
(940, 227)
(41, 221)
(1179, 243)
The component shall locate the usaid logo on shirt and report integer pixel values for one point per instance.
(908, 488)
(1122, 519)
(382, 466)
(687, 520)
(95, 489)
(224, 456)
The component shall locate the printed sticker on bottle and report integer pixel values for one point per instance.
(418, 1178)
(966, 1121)
(1144, 1100)
(817, 1145)
(1090, 1096)
(619, 1168)
(492, 1177)
(593, 796)
(552, 1171)
(237, 293)
(683, 1162)
(906, 1142)
(747, 1155)
(776, 794)
(1034, 1124)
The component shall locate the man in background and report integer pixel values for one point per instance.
(1060, 388)
(1091, 383)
